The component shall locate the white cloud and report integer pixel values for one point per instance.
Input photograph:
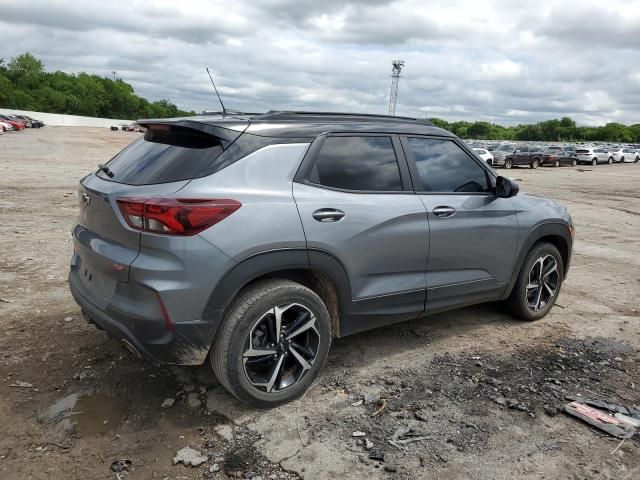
(498, 60)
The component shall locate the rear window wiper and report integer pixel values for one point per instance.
(105, 169)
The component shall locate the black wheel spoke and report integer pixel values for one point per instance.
(281, 347)
(542, 282)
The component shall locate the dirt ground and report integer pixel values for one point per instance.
(467, 394)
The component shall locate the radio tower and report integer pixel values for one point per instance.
(395, 78)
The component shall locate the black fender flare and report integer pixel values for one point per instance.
(555, 229)
(270, 262)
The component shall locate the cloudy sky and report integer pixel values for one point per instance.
(499, 60)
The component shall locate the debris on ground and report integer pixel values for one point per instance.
(612, 407)
(20, 384)
(601, 420)
(168, 402)
(358, 434)
(376, 455)
(193, 400)
(189, 457)
(121, 465)
(630, 420)
(406, 434)
(225, 431)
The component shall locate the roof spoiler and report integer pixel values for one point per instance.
(227, 134)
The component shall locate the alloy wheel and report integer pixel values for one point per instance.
(281, 347)
(543, 282)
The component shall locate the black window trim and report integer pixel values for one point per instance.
(304, 170)
(413, 168)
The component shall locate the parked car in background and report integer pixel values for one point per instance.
(630, 155)
(18, 125)
(34, 123)
(6, 127)
(132, 127)
(556, 156)
(594, 155)
(625, 154)
(484, 154)
(509, 155)
(163, 226)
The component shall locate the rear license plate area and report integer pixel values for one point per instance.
(98, 286)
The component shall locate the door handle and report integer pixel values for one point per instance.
(328, 215)
(444, 212)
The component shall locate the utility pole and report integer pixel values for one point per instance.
(395, 78)
(114, 76)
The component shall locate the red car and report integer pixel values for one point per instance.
(18, 125)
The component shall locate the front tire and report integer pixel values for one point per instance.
(272, 344)
(574, 162)
(538, 284)
(556, 164)
(508, 163)
(594, 162)
(610, 161)
(534, 163)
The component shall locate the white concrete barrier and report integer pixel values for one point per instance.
(57, 119)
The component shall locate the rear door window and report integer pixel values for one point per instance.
(366, 163)
(444, 167)
(163, 155)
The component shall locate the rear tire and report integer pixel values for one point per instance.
(594, 162)
(534, 163)
(610, 161)
(574, 162)
(525, 301)
(251, 326)
(556, 164)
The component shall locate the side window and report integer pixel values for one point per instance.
(524, 149)
(444, 167)
(357, 163)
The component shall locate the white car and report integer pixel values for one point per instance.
(626, 154)
(484, 154)
(7, 127)
(594, 155)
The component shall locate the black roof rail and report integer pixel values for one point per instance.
(336, 116)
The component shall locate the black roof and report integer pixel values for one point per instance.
(294, 124)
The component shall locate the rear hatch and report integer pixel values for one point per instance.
(155, 166)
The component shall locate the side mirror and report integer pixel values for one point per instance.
(506, 188)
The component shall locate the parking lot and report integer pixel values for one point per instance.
(475, 392)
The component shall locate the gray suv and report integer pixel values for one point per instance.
(250, 241)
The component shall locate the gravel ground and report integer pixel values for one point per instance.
(466, 394)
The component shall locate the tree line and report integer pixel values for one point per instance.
(25, 85)
(557, 130)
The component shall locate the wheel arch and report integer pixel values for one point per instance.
(557, 234)
(319, 271)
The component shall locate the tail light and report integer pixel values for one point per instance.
(175, 216)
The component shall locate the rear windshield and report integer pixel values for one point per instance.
(164, 155)
(582, 151)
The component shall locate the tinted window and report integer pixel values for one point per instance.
(357, 163)
(523, 149)
(505, 148)
(444, 167)
(161, 156)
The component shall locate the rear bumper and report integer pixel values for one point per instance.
(187, 343)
